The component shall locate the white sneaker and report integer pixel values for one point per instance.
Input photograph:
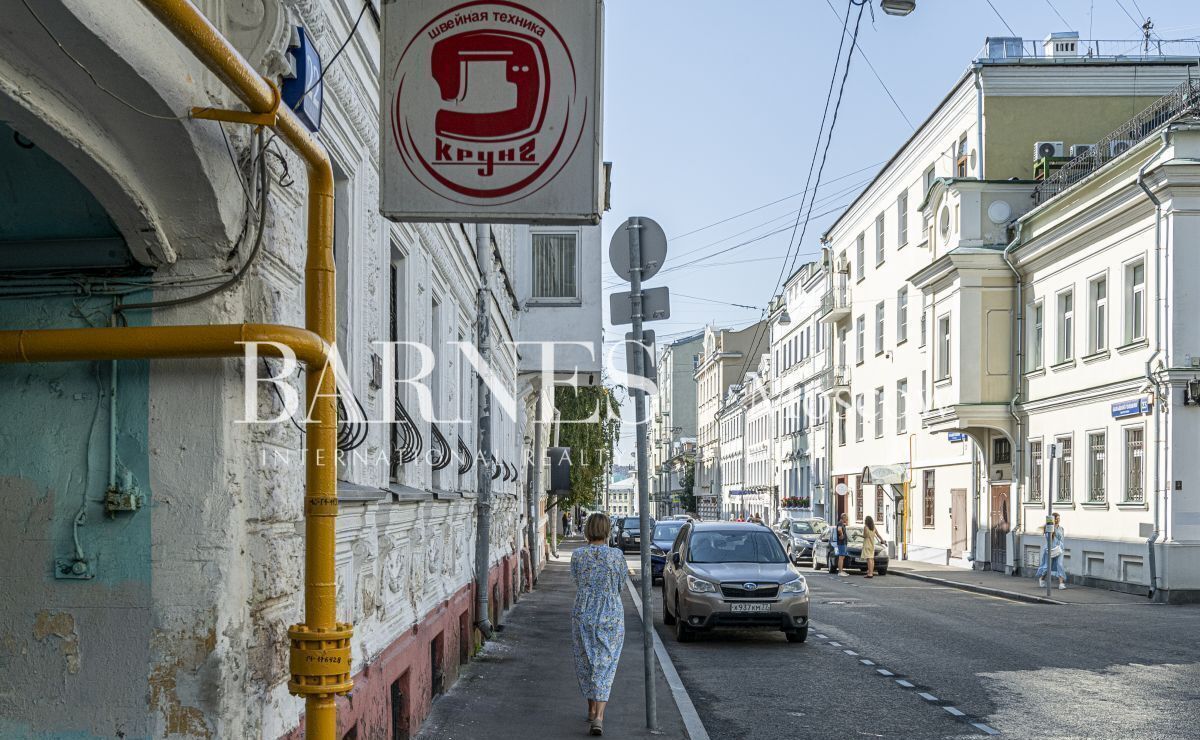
(843, 573)
(1041, 583)
(1062, 587)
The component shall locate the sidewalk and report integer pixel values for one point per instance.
(1018, 588)
(522, 684)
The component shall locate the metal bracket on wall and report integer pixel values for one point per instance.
(74, 570)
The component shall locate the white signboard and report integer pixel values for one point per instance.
(491, 111)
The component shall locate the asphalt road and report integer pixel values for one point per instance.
(895, 657)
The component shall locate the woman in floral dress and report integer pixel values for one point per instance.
(598, 618)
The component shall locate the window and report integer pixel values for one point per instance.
(879, 506)
(1001, 451)
(928, 500)
(924, 327)
(1063, 494)
(860, 337)
(1035, 472)
(943, 347)
(961, 161)
(1134, 475)
(1066, 326)
(930, 176)
(1135, 302)
(901, 405)
(924, 389)
(859, 410)
(879, 234)
(878, 413)
(902, 315)
(879, 328)
(858, 501)
(860, 256)
(1095, 493)
(555, 267)
(1098, 295)
(841, 424)
(902, 219)
(1037, 336)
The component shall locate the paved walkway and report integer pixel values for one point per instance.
(522, 685)
(1018, 588)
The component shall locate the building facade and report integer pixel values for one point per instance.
(167, 566)
(673, 425)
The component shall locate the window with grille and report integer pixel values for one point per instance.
(1096, 468)
(878, 505)
(1134, 465)
(555, 267)
(1001, 451)
(1063, 494)
(928, 500)
(1035, 471)
(858, 501)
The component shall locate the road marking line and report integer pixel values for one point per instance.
(864, 661)
(985, 728)
(904, 683)
(955, 711)
(687, 710)
(884, 672)
(927, 696)
(849, 652)
(836, 644)
(822, 637)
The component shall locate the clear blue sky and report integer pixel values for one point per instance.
(712, 109)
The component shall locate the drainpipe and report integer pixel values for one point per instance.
(320, 647)
(1018, 331)
(979, 117)
(483, 400)
(1154, 356)
(535, 495)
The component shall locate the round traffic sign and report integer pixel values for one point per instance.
(653, 247)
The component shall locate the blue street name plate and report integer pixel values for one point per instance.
(1132, 407)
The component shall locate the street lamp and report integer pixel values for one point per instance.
(898, 7)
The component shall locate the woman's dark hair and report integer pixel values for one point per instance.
(869, 523)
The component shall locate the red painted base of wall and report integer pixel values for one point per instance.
(393, 695)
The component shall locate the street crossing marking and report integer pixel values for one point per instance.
(955, 711)
(904, 683)
(836, 644)
(927, 696)
(849, 652)
(864, 661)
(822, 637)
(884, 672)
(985, 728)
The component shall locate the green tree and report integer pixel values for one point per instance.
(591, 442)
(687, 483)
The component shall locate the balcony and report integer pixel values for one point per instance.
(836, 381)
(835, 305)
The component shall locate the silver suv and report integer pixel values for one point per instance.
(729, 574)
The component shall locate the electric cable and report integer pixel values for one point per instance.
(1060, 16)
(997, 12)
(328, 65)
(264, 184)
(91, 76)
(875, 72)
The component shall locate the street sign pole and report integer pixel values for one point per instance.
(647, 576)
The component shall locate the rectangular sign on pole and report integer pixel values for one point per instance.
(656, 306)
(649, 371)
(491, 111)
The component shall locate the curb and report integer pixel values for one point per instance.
(1010, 595)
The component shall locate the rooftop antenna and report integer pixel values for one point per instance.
(1147, 27)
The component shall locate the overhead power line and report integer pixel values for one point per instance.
(875, 72)
(1060, 16)
(997, 12)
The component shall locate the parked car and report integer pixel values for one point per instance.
(628, 535)
(799, 535)
(663, 538)
(732, 574)
(823, 556)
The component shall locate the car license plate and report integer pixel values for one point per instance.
(749, 607)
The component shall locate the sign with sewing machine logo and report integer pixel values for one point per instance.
(491, 111)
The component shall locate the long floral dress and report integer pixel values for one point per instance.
(598, 618)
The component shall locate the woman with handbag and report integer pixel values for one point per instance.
(1055, 557)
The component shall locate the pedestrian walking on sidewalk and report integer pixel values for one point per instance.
(1055, 557)
(566, 524)
(840, 540)
(870, 539)
(598, 618)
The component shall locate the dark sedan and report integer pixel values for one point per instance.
(629, 533)
(798, 537)
(660, 544)
(824, 556)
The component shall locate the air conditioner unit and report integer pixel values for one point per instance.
(1043, 149)
(842, 264)
(1119, 147)
(1081, 150)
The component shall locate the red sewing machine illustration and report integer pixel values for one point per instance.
(525, 68)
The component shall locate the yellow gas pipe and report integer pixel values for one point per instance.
(320, 648)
